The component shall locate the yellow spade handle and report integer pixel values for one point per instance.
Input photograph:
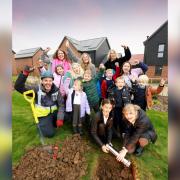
(31, 101)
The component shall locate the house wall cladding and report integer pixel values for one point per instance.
(31, 61)
(151, 48)
(101, 52)
(63, 47)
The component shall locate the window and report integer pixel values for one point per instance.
(161, 50)
(158, 70)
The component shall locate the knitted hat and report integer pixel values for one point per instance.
(47, 74)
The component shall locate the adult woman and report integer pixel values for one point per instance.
(139, 132)
(101, 125)
(131, 72)
(60, 58)
(85, 60)
(113, 57)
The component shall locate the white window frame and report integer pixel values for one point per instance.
(161, 48)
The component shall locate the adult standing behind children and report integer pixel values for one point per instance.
(113, 57)
(60, 58)
(85, 60)
(49, 104)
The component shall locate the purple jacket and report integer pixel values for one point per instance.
(84, 103)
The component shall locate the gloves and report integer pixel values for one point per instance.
(59, 123)
(27, 70)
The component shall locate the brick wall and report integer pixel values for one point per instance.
(32, 61)
(14, 70)
(151, 72)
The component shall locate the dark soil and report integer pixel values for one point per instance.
(110, 169)
(39, 164)
(162, 104)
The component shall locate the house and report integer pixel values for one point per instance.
(28, 57)
(156, 52)
(134, 57)
(14, 70)
(97, 48)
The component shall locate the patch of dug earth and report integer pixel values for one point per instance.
(110, 169)
(39, 164)
(162, 104)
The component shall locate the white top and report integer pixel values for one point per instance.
(105, 120)
(77, 98)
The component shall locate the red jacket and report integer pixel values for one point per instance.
(104, 85)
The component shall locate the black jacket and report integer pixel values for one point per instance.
(47, 99)
(98, 119)
(142, 126)
(111, 64)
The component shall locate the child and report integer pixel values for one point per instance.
(140, 132)
(143, 91)
(101, 125)
(108, 82)
(90, 87)
(78, 105)
(121, 96)
(58, 78)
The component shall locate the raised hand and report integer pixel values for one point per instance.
(67, 44)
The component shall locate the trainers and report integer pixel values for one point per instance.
(80, 131)
(139, 151)
(75, 130)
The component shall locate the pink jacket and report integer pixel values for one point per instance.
(66, 65)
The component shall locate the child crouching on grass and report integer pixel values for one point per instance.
(78, 105)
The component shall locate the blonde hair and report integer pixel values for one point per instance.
(129, 107)
(119, 78)
(79, 84)
(107, 70)
(143, 79)
(85, 66)
(112, 51)
(74, 75)
(88, 71)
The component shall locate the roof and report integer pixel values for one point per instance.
(135, 57)
(165, 23)
(13, 51)
(87, 45)
(27, 53)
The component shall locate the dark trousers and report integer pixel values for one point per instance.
(102, 133)
(77, 120)
(118, 122)
(47, 124)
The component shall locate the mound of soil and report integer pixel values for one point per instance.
(110, 169)
(39, 164)
(162, 105)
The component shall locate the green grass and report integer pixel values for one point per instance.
(153, 164)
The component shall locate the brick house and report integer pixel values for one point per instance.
(14, 70)
(28, 57)
(97, 48)
(135, 57)
(156, 54)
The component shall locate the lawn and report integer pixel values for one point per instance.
(153, 164)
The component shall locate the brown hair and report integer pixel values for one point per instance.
(106, 101)
(123, 65)
(55, 56)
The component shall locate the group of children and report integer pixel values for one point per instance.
(105, 90)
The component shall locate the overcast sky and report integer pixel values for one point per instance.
(45, 22)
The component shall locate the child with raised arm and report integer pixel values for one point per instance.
(143, 91)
